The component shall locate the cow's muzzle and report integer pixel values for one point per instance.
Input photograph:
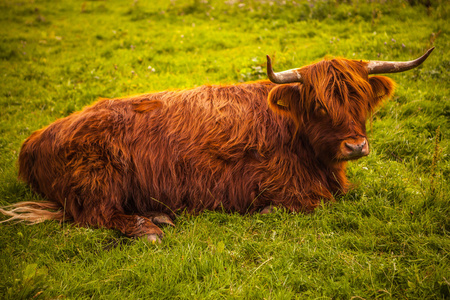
(354, 148)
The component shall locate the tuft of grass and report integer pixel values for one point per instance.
(387, 238)
(434, 163)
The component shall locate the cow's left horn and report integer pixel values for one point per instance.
(288, 76)
(380, 67)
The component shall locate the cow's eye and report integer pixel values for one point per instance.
(321, 112)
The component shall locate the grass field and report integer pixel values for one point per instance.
(387, 238)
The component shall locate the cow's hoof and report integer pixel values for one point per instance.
(159, 218)
(163, 219)
(267, 210)
(151, 238)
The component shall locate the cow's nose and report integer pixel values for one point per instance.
(356, 148)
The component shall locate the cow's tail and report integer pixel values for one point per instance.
(33, 212)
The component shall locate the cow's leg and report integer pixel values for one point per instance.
(159, 218)
(135, 226)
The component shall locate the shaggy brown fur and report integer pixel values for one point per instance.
(124, 163)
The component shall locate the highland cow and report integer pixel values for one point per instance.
(134, 162)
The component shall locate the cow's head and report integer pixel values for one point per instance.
(329, 102)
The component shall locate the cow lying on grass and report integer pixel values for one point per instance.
(134, 162)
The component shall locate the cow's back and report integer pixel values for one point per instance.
(202, 149)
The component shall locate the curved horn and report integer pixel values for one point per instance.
(379, 67)
(288, 76)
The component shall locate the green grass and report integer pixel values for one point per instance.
(387, 238)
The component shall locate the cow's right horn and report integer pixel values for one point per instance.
(288, 76)
(380, 67)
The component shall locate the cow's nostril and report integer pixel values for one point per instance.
(351, 147)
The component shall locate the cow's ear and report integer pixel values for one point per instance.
(283, 98)
(382, 87)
